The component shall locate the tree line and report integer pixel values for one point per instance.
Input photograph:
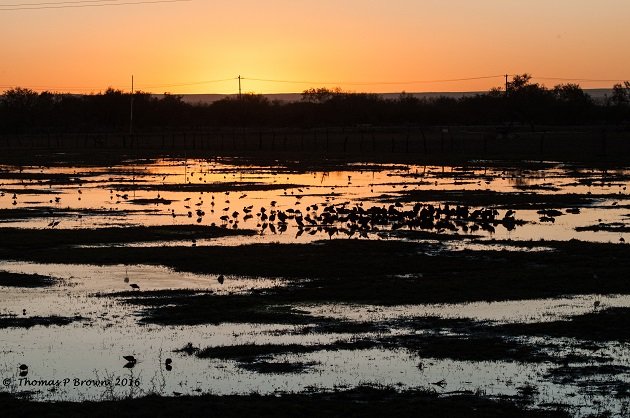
(523, 102)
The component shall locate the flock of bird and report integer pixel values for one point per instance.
(356, 219)
(325, 217)
(339, 218)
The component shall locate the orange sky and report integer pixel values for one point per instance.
(360, 41)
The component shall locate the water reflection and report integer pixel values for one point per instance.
(225, 193)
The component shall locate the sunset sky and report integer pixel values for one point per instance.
(354, 44)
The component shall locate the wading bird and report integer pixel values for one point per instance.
(131, 362)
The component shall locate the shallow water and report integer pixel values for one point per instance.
(521, 311)
(169, 192)
(93, 347)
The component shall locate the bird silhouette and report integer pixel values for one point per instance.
(441, 383)
(131, 362)
(23, 370)
(221, 279)
(134, 286)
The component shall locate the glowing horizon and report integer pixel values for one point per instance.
(363, 46)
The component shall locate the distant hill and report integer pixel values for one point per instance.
(596, 94)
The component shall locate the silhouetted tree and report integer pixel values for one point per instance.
(320, 95)
(621, 94)
(24, 110)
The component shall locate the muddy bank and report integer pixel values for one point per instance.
(28, 322)
(48, 241)
(185, 309)
(570, 374)
(8, 215)
(361, 402)
(207, 188)
(454, 347)
(609, 227)
(427, 337)
(383, 272)
(25, 280)
(600, 325)
(297, 160)
(517, 200)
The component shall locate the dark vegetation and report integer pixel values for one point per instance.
(207, 188)
(19, 239)
(463, 340)
(277, 367)
(25, 111)
(28, 322)
(7, 215)
(25, 280)
(455, 347)
(604, 325)
(367, 271)
(610, 227)
(499, 200)
(359, 402)
(571, 374)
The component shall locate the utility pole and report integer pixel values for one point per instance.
(506, 84)
(239, 87)
(131, 110)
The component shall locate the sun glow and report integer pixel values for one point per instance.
(356, 45)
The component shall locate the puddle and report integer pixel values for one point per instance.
(117, 278)
(522, 311)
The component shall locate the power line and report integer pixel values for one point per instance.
(151, 86)
(372, 83)
(586, 80)
(355, 83)
(191, 83)
(56, 3)
(95, 4)
(56, 88)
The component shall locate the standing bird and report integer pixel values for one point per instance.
(134, 286)
(131, 362)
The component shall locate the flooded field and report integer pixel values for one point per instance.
(180, 276)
